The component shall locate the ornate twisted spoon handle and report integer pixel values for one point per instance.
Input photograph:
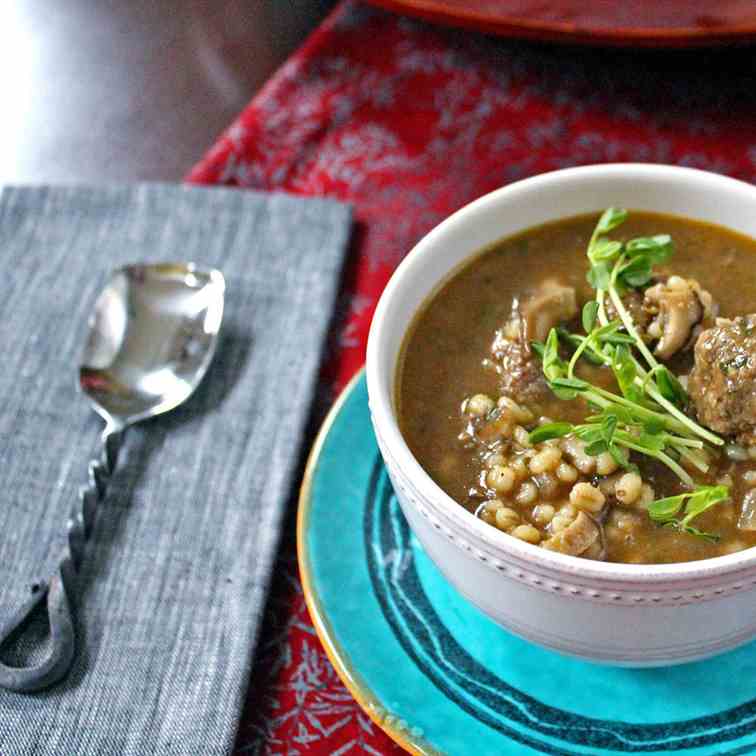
(60, 591)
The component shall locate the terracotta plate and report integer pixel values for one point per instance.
(646, 23)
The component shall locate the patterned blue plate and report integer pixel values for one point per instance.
(440, 677)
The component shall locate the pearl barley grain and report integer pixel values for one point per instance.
(587, 497)
(605, 464)
(527, 533)
(566, 473)
(493, 504)
(628, 488)
(543, 514)
(479, 405)
(501, 479)
(527, 494)
(546, 460)
(506, 518)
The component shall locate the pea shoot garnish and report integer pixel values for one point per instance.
(665, 511)
(647, 416)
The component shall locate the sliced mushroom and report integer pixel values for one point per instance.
(596, 551)
(552, 303)
(512, 358)
(678, 306)
(576, 537)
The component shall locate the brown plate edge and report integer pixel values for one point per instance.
(553, 31)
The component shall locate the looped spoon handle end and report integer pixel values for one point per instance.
(59, 593)
(62, 639)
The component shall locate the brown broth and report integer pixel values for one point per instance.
(442, 356)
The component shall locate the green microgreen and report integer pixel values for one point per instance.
(590, 313)
(602, 252)
(625, 372)
(666, 511)
(631, 267)
(605, 250)
(567, 386)
(710, 537)
(647, 416)
(599, 276)
(635, 273)
(538, 348)
(656, 249)
(669, 386)
(609, 432)
(574, 340)
(549, 431)
(609, 220)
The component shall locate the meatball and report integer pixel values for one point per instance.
(520, 372)
(722, 383)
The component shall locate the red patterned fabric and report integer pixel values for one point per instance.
(409, 122)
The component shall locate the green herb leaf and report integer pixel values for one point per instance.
(636, 273)
(539, 348)
(568, 388)
(608, 330)
(618, 338)
(652, 426)
(652, 441)
(573, 340)
(553, 364)
(704, 497)
(669, 387)
(573, 383)
(710, 537)
(610, 218)
(599, 275)
(696, 502)
(590, 313)
(549, 430)
(566, 395)
(663, 510)
(588, 433)
(626, 372)
(608, 426)
(623, 414)
(605, 250)
(656, 249)
(596, 448)
(622, 457)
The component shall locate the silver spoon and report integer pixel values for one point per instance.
(152, 336)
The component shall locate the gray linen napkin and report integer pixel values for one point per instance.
(174, 584)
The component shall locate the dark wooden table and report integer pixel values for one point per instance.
(119, 90)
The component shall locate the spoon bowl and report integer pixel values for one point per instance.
(151, 340)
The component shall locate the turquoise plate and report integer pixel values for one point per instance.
(439, 676)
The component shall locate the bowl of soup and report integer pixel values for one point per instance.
(562, 382)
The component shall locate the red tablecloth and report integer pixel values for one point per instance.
(409, 121)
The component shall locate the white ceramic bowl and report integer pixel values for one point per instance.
(639, 615)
